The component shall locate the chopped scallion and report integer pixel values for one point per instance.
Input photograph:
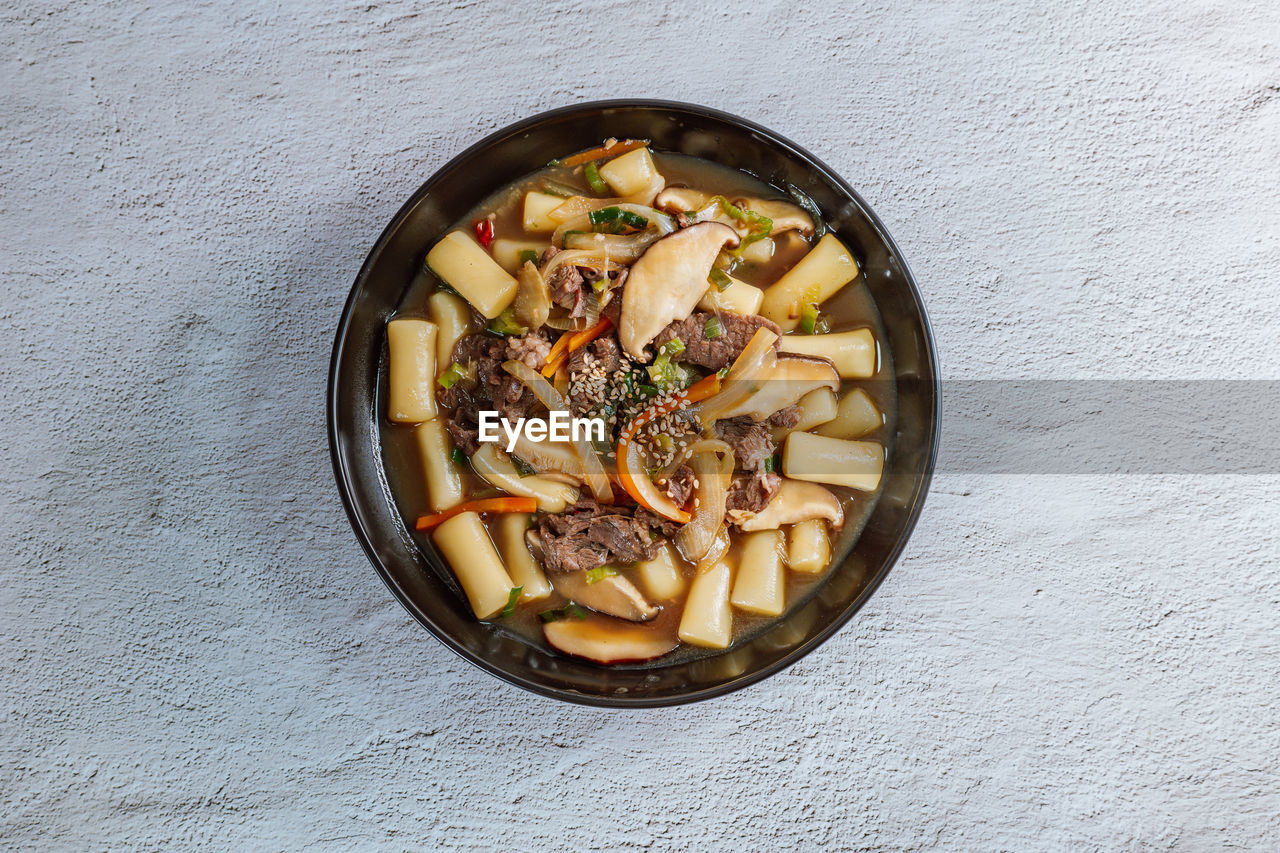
(675, 346)
(719, 278)
(633, 219)
(451, 376)
(769, 465)
(524, 469)
(564, 612)
(528, 256)
(511, 601)
(506, 324)
(712, 328)
(592, 173)
(599, 573)
(458, 457)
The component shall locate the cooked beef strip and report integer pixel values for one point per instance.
(785, 418)
(587, 535)
(736, 331)
(680, 487)
(750, 440)
(750, 492)
(494, 388)
(613, 310)
(565, 285)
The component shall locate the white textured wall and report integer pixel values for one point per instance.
(193, 650)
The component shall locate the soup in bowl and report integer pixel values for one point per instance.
(639, 409)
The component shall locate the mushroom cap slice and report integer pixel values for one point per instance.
(597, 640)
(680, 199)
(785, 382)
(614, 596)
(785, 215)
(667, 281)
(795, 501)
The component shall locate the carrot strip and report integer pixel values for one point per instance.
(602, 152)
(586, 336)
(650, 498)
(553, 357)
(426, 522)
(576, 340)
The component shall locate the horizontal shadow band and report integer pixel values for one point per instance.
(1110, 427)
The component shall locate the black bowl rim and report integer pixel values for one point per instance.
(609, 701)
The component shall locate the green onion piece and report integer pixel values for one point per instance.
(809, 318)
(719, 278)
(524, 469)
(758, 227)
(648, 390)
(451, 376)
(511, 601)
(675, 346)
(506, 324)
(458, 457)
(564, 243)
(597, 184)
(599, 573)
(601, 284)
(567, 610)
(528, 256)
(635, 220)
(664, 441)
(603, 215)
(712, 329)
(769, 465)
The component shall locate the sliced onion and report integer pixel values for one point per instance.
(745, 377)
(657, 221)
(592, 469)
(624, 249)
(596, 259)
(533, 380)
(550, 458)
(719, 547)
(713, 467)
(580, 204)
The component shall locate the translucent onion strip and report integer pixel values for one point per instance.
(592, 469)
(712, 468)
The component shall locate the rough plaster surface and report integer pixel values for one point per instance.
(194, 651)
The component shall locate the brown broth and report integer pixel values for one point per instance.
(851, 308)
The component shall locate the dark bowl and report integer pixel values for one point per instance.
(411, 568)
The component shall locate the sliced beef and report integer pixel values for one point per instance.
(613, 309)
(750, 492)
(750, 440)
(494, 389)
(532, 348)
(587, 535)
(680, 487)
(785, 418)
(660, 529)
(565, 285)
(736, 331)
(463, 423)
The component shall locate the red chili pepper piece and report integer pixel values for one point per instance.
(484, 232)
